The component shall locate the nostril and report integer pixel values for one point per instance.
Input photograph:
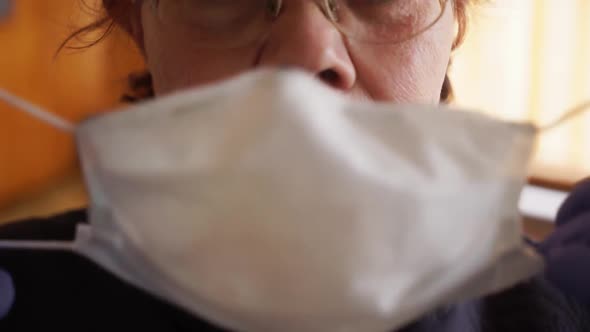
(330, 77)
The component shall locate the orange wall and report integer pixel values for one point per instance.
(74, 85)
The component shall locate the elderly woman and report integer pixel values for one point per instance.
(385, 50)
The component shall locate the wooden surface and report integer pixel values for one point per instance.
(537, 229)
(66, 194)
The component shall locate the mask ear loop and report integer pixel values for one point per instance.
(37, 112)
(56, 122)
(570, 114)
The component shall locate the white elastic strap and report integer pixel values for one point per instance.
(36, 111)
(572, 113)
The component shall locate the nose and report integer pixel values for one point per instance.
(304, 38)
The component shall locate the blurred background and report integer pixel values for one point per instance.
(529, 60)
(525, 60)
(38, 166)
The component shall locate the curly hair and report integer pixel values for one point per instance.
(112, 12)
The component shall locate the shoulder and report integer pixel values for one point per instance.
(530, 306)
(533, 306)
(62, 291)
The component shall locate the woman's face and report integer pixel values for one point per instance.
(302, 37)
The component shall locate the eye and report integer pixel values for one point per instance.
(383, 8)
(375, 2)
(218, 23)
(210, 14)
(388, 20)
(399, 14)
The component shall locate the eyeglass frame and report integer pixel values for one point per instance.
(326, 6)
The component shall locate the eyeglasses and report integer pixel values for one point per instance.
(236, 23)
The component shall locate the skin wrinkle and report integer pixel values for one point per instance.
(404, 84)
(258, 57)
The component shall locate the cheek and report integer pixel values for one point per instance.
(176, 64)
(175, 68)
(412, 72)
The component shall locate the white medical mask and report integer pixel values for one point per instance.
(274, 203)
